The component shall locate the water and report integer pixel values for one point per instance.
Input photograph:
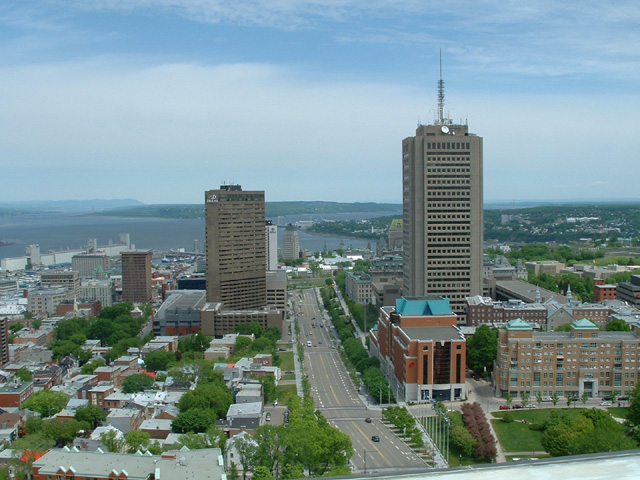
(60, 232)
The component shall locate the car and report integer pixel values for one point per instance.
(368, 419)
(319, 342)
(606, 404)
(267, 417)
(606, 398)
(518, 405)
(505, 407)
(375, 438)
(530, 405)
(275, 403)
(547, 399)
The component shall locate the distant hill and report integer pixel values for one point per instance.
(65, 206)
(273, 209)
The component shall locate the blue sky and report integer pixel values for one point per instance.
(160, 100)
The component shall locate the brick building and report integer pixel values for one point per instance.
(421, 349)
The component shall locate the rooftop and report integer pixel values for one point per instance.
(423, 306)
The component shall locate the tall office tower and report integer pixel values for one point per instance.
(235, 247)
(271, 233)
(442, 210)
(290, 243)
(136, 276)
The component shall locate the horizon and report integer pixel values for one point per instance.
(165, 99)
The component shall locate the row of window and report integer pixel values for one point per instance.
(448, 145)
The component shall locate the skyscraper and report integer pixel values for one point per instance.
(235, 243)
(136, 276)
(442, 210)
(291, 243)
(271, 239)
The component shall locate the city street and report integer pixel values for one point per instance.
(338, 399)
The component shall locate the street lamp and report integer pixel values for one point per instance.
(365, 459)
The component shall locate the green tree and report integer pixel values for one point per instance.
(89, 367)
(508, 398)
(24, 374)
(633, 415)
(195, 420)
(618, 325)
(525, 397)
(112, 439)
(584, 397)
(539, 397)
(557, 439)
(159, 360)
(16, 327)
(137, 383)
(63, 430)
(207, 396)
(565, 327)
(247, 449)
(92, 414)
(268, 387)
(233, 474)
(462, 439)
(137, 440)
(262, 473)
(482, 349)
(554, 399)
(36, 323)
(46, 402)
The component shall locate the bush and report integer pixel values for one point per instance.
(507, 418)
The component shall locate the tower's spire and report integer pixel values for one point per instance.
(440, 120)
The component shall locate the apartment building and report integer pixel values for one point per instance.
(585, 359)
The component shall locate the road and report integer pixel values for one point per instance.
(338, 399)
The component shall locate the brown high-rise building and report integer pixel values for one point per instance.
(136, 276)
(236, 253)
(442, 211)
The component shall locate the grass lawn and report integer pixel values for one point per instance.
(286, 361)
(290, 376)
(619, 412)
(518, 437)
(285, 392)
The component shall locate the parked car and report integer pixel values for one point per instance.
(267, 417)
(606, 404)
(606, 398)
(530, 405)
(375, 438)
(368, 419)
(547, 399)
(518, 405)
(505, 407)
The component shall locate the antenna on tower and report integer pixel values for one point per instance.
(440, 120)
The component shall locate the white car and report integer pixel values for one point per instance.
(530, 405)
(606, 404)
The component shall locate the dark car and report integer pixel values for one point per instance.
(375, 438)
(368, 419)
(606, 398)
(518, 405)
(505, 407)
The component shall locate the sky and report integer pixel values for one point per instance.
(160, 100)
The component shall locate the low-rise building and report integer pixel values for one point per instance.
(357, 286)
(421, 349)
(14, 394)
(584, 360)
(43, 301)
(180, 313)
(630, 291)
(484, 311)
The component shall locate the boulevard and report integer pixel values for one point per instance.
(338, 399)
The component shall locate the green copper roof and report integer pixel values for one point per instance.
(423, 306)
(584, 324)
(518, 324)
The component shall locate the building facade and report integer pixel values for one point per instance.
(100, 290)
(483, 310)
(136, 276)
(442, 212)
(630, 291)
(90, 265)
(235, 242)
(271, 243)
(358, 286)
(59, 278)
(291, 243)
(584, 360)
(421, 350)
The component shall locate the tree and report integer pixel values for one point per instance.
(565, 327)
(569, 399)
(92, 414)
(462, 439)
(482, 349)
(89, 367)
(584, 397)
(634, 406)
(554, 399)
(262, 473)
(112, 439)
(63, 430)
(46, 402)
(233, 471)
(508, 398)
(36, 323)
(557, 439)
(525, 397)
(247, 452)
(539, 397)
(16, 327)
(195, 420)
(137, 383)
(137, 440)
(159, 360)
(24, 374)
(618, 325)
(268, 387)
